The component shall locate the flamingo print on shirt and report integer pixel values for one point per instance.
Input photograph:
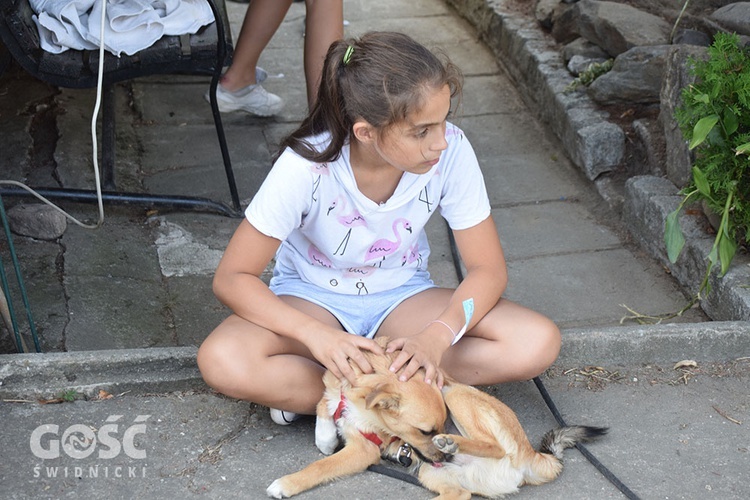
(382, 248)
(349, 220)
(320, 169)
(318, 258)
(360, 272)
(412, 255)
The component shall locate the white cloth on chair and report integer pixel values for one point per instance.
(183, 16)
(62, 25)
(130, 25)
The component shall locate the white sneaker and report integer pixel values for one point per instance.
(253, 99)
(282, 417)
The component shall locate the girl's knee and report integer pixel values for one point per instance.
(209, 360)
(542, 347)
(221, 361)
(550, 340)
(207, 357)
(549, 335)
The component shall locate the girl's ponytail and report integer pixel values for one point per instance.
(327, 114)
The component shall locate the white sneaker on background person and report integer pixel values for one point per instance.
(253, 99)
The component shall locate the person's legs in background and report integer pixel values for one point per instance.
(324, 25)
(240, 88)
(262, 19)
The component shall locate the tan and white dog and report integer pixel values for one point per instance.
(368, 416)
(484, 452)
(488, 451)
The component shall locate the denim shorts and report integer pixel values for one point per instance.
(358, 314)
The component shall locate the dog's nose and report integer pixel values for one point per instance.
(439, 457)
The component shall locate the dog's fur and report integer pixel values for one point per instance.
(376, 409)
(488, 453)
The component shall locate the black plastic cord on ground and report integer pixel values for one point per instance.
(388, 471)
(394, 473)
(584, 451)
(547, 399)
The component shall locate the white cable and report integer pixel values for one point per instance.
(95, 154)
(94, 148)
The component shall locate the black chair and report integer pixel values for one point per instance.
(204, 53)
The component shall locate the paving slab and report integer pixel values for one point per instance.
(116, 313)
(590, 288)
(551, 228)
(112, 250)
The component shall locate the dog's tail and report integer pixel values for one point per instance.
(557, 440)
(547, 462)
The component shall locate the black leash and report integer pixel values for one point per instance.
(547, 399)
(397, 474)
(584, 451)
(394, 473)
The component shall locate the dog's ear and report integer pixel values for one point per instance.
(385, 397)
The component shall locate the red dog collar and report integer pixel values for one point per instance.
(370, 436)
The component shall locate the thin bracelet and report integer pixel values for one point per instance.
(468, 306)
(444, 324)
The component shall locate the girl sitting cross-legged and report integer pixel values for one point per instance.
(343, 211)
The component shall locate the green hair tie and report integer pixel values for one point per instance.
(348, 54)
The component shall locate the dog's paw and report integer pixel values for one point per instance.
(326, 437)
(445, 444)
(276, 490)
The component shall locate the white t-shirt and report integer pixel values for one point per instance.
(335, 237)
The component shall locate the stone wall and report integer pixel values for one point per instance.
(620, 130)
(650, 50)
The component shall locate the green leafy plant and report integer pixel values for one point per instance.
(69, 396)
(715, 119)
(591, 73)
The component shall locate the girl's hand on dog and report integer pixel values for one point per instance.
(334, 349)
(423, 350)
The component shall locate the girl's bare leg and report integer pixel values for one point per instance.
(510, 343)
(262, 19)
(324, 24)
(244, 361)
